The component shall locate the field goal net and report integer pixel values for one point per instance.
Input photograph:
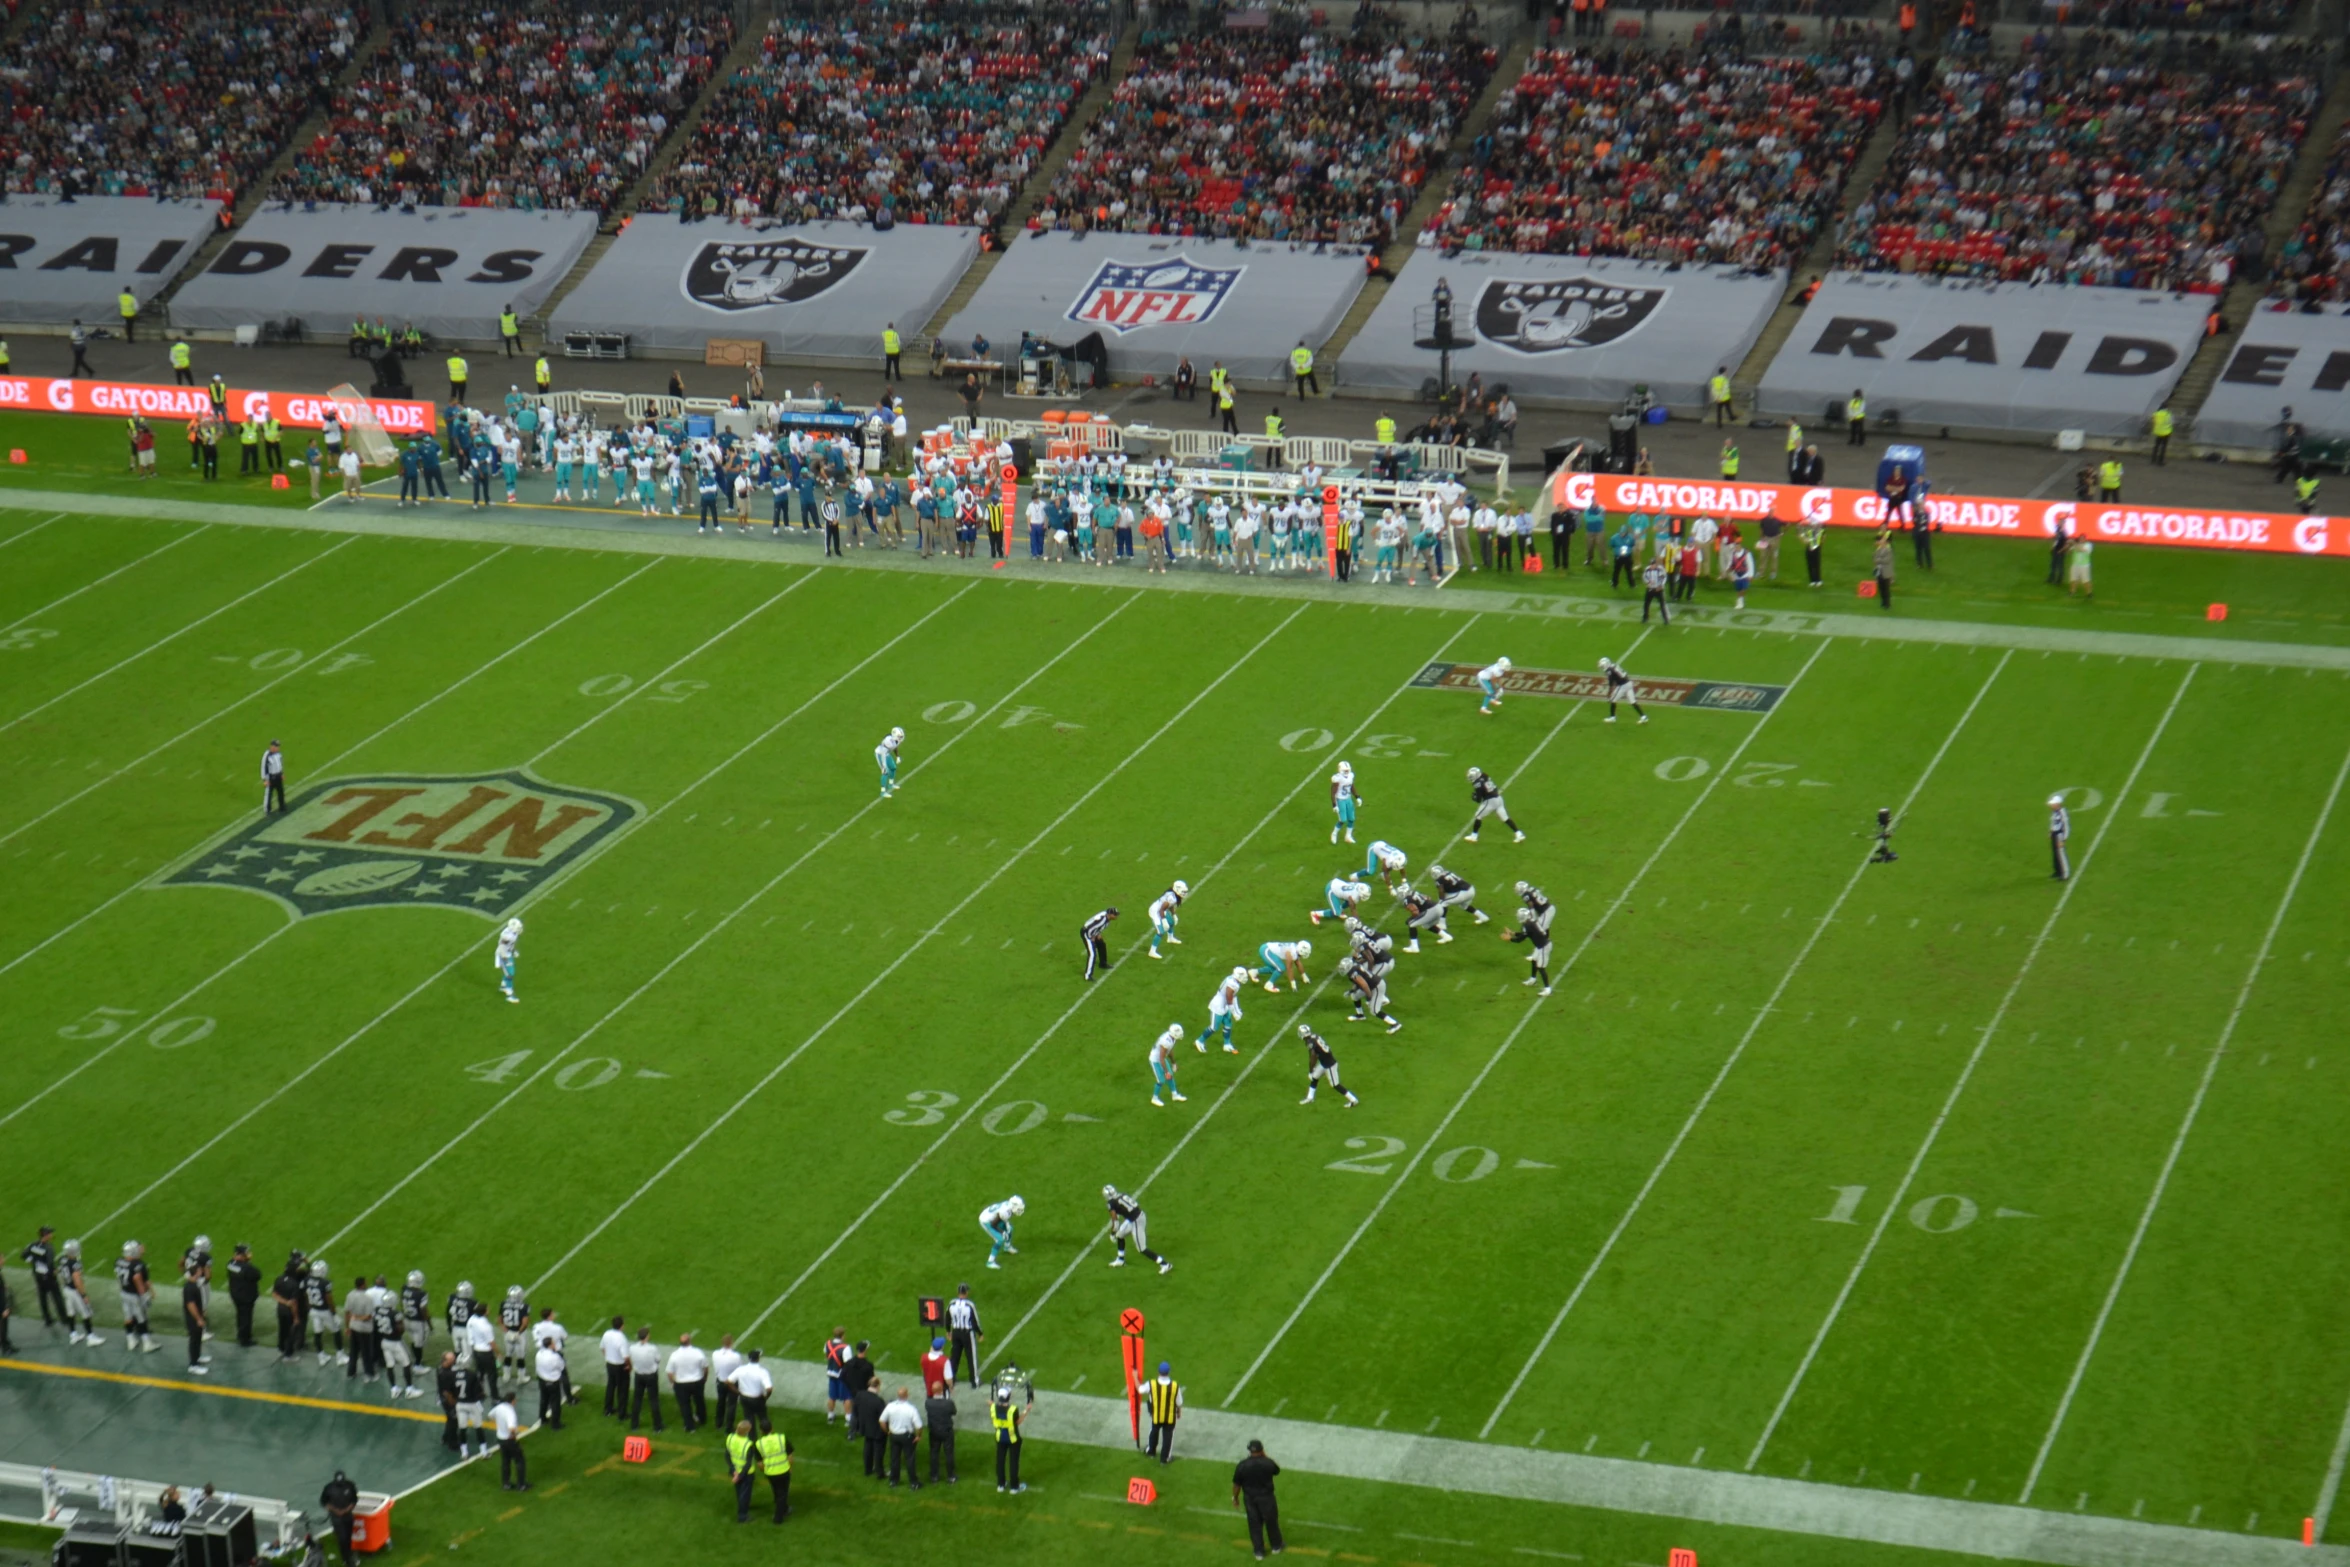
(363, 430)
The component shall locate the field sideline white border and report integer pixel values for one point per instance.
(370, 518)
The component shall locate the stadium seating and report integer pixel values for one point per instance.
(1268, 134)
(535, 105)
(2115, 173)
(896, 111)
(1675, 156)
(2313, 268)
(161, 99)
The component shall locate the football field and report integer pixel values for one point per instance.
(1939, 1179)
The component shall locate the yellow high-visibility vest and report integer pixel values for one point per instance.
(179, 356)
(130, 304)
(1163, 1394)
(1857, 408)
(774, 1453)
(456, 368)
(1730, 463)
(2109, 474)
(1794, 436)
(1385, 429)
(738, 1452)
(509, 324)
(546, 372)
(273, 432)
(1301, 359)
(1006, 1420)
(1721, 386)
(890, 343)
(1273, 426)
(2162, 421)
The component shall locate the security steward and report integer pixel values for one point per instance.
(1719, 388)
(741, 1468)
(128, 304)
(457, 379)
(2109, 480)
(244, 1292)
(775, 1452)
(893, 348)
(273, 444)
(544, 374)
(1856, 417)
(1301, 369)
(183, 371)
(1383, 429)
(1227, 410)
(217, 390)
(510, 331)
(2161, 425)
(249, 446)
(1004, 1413)
(1273, 434)
(1165, 1396)
(1730, 460)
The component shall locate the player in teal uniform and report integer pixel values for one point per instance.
(1278, 960)
(886, 755)
(1343, 800)
(1164, 918)
(1342, 897)
(1224, 1011)
(1163, 1065)
(508, 940)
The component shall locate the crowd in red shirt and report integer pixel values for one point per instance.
(1674, 156)
(162, 99)
(2097, 169)
(897, 111)
(535, 105)
(1270, 134)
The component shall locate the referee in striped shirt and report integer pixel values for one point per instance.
(1097, 951)
(964, 1334)
(2060, 827)
(273, 780)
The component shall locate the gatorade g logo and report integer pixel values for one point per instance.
(1819, 506)
(479, 842)
(747, 274)
(1561, 313)
(2064, 515)
(1578, 491)
(2309, 535)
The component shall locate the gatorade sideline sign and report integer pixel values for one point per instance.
(448, 271)
(1996, 516)
(121, 399)
(1986, 356)
(60, 260)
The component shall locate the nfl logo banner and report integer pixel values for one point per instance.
(1126, 297)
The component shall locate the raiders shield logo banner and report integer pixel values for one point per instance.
(1560, 313)
(1126, 296)
(750, 274)
(479, 842)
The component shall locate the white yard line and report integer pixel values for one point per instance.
(135, 561)
(777, 879)
(2178, 1144)
(216, 975)
(922, 1159)
(540, 893)
(2323, 1513)
(871, 985)
(1281, 1033)
(170, 637)
(1966, 1074)
(26, 533)
(257, 692)
(1462, 1103)
(1769, 1007)
(329, 764)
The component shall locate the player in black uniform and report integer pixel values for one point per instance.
(196, 1263)
(514, 1317)
(1366, 982)
(1321, 1065)
(1455, 892)
(77, 1295)
(1423, 911)
(1129, 1222)
(318, 1309)
(391, 1343)
(1485, 795)
(1620, 689)
(41, 1257)
(416, 1306)
(1534, 927)
(459, 1311)
(1097, 950)
(138, 1295)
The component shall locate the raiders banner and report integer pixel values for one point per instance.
(1985, 356)
(2281, 361)
(808, 290)
(1152, 299)
(1567, 328)
(448, 271)
(63, 260)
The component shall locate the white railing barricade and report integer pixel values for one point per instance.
(69, 1494)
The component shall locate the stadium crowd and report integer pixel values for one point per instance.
(535, 105)
(2313, 268)
(895, 112)
(1270, 134)
(2093, 169)
(159, 100)
(1693, 157)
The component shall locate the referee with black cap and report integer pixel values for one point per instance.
(1097, 951)
(963, 1334)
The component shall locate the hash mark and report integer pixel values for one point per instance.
(1591, 1442)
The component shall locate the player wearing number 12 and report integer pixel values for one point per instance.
(885, 755)
(509, 940)
(1163, 1066)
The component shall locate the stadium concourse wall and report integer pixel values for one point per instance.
(2281, 360)
(820, 291)
(1152, 299)
(1567, 329)
(449, 271)
(1988, 515)
(64, 260)
(2011, 358)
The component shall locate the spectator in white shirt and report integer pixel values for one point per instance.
(901, 1417)
(723, 1366)
(615, 1343)
(752, 1384)
(644, 1367)
(549, 1364)
(689, 1373)
(513, 1472)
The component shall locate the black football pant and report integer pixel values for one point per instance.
(615, 1389)
(962, 1346)
(647, 1387)
(941, 1442)
(513, 1469)
(1656, 597)
(1097, 954)
(46, 1285)
(1162, 1443)
(692, 1409)
(551, 1404)
(1007, 1464)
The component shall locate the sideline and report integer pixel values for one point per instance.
(371, 519)
(213, 1390)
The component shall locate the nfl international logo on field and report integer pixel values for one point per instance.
(1126, 296)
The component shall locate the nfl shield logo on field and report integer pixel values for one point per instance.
(749, 274)
(1562, 313)
(480, 842)
(1127, 296)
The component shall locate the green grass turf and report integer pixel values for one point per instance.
(92, 455)
(779, 1043)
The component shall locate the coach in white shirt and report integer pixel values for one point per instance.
(481, 1340)
(549, 1363)
(723, 1366)
(752, 1384)
(615, 1344)
(548, 1331)
(513, 1472)
(901, 1417)
(689, 1373)
(644, 1374)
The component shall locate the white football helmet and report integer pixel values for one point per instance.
(1607, 663)
(132, 1248)
(1017, 1206)
(1109, 1192)
(1305, 950)
(203, 1243)
(513, 930)
(1182, 888)
(73, 1250)
(415, 1279)
(464, 1290)
(2056, 799)
(1346, 769)
(318, 1269)
(895, 733)
(1502, 663)
(513, 1292)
